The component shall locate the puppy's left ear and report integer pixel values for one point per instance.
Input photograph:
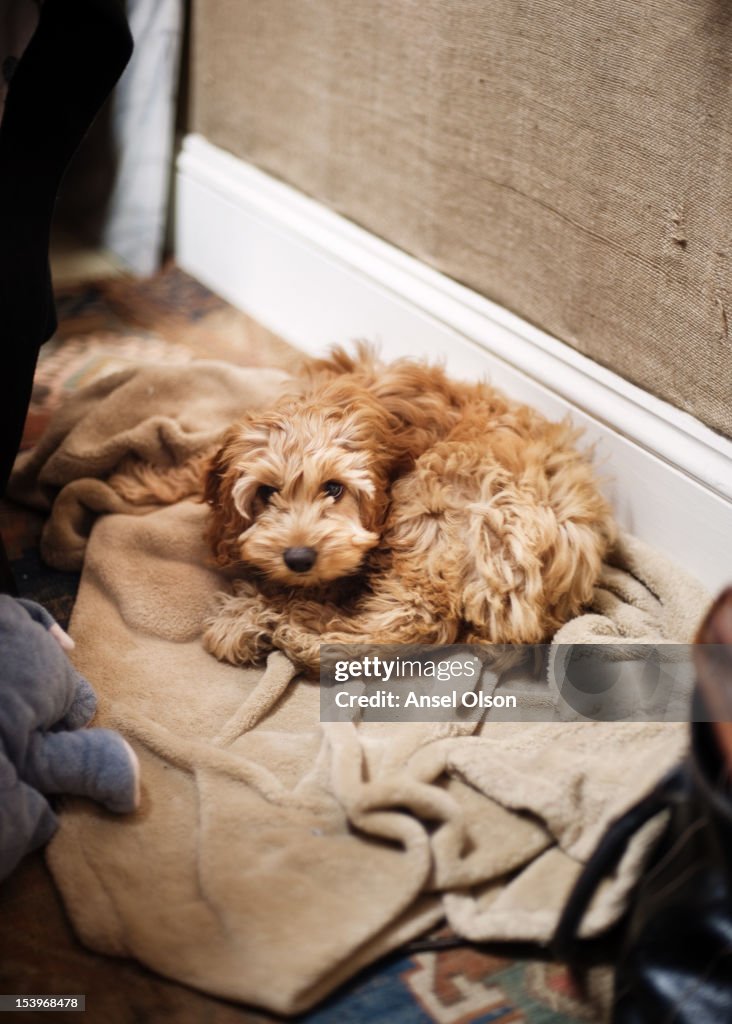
(373, 504)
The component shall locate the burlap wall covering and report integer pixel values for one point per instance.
(572, 162)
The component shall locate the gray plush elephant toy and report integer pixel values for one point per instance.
(44, 702)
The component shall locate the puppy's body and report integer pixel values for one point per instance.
(388, 504)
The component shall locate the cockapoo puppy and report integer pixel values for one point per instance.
(384, 503)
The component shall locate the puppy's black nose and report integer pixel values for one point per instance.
(300, 559)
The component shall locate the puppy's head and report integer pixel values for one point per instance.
(299, 493)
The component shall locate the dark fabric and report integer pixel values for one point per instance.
(18, 21)
(70, 65)
(7, 580)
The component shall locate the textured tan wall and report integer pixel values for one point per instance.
(572, 162)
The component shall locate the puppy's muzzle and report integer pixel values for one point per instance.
(300, 559)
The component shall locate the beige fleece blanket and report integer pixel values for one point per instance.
(274, 855)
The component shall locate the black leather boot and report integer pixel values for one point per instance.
(675, 958)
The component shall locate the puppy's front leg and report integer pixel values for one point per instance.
(302, 628)
(392, 614)
(240, 629)
(299, 645)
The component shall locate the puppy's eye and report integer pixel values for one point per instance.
(264, 493)
(333, 489)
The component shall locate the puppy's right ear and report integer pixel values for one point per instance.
(225, 524)
(215, 472)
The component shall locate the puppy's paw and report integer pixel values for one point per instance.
(235, 640)
(239, 629)
(300, 646)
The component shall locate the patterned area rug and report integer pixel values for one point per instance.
(104, 326)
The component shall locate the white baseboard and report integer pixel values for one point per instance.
(316, 278)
